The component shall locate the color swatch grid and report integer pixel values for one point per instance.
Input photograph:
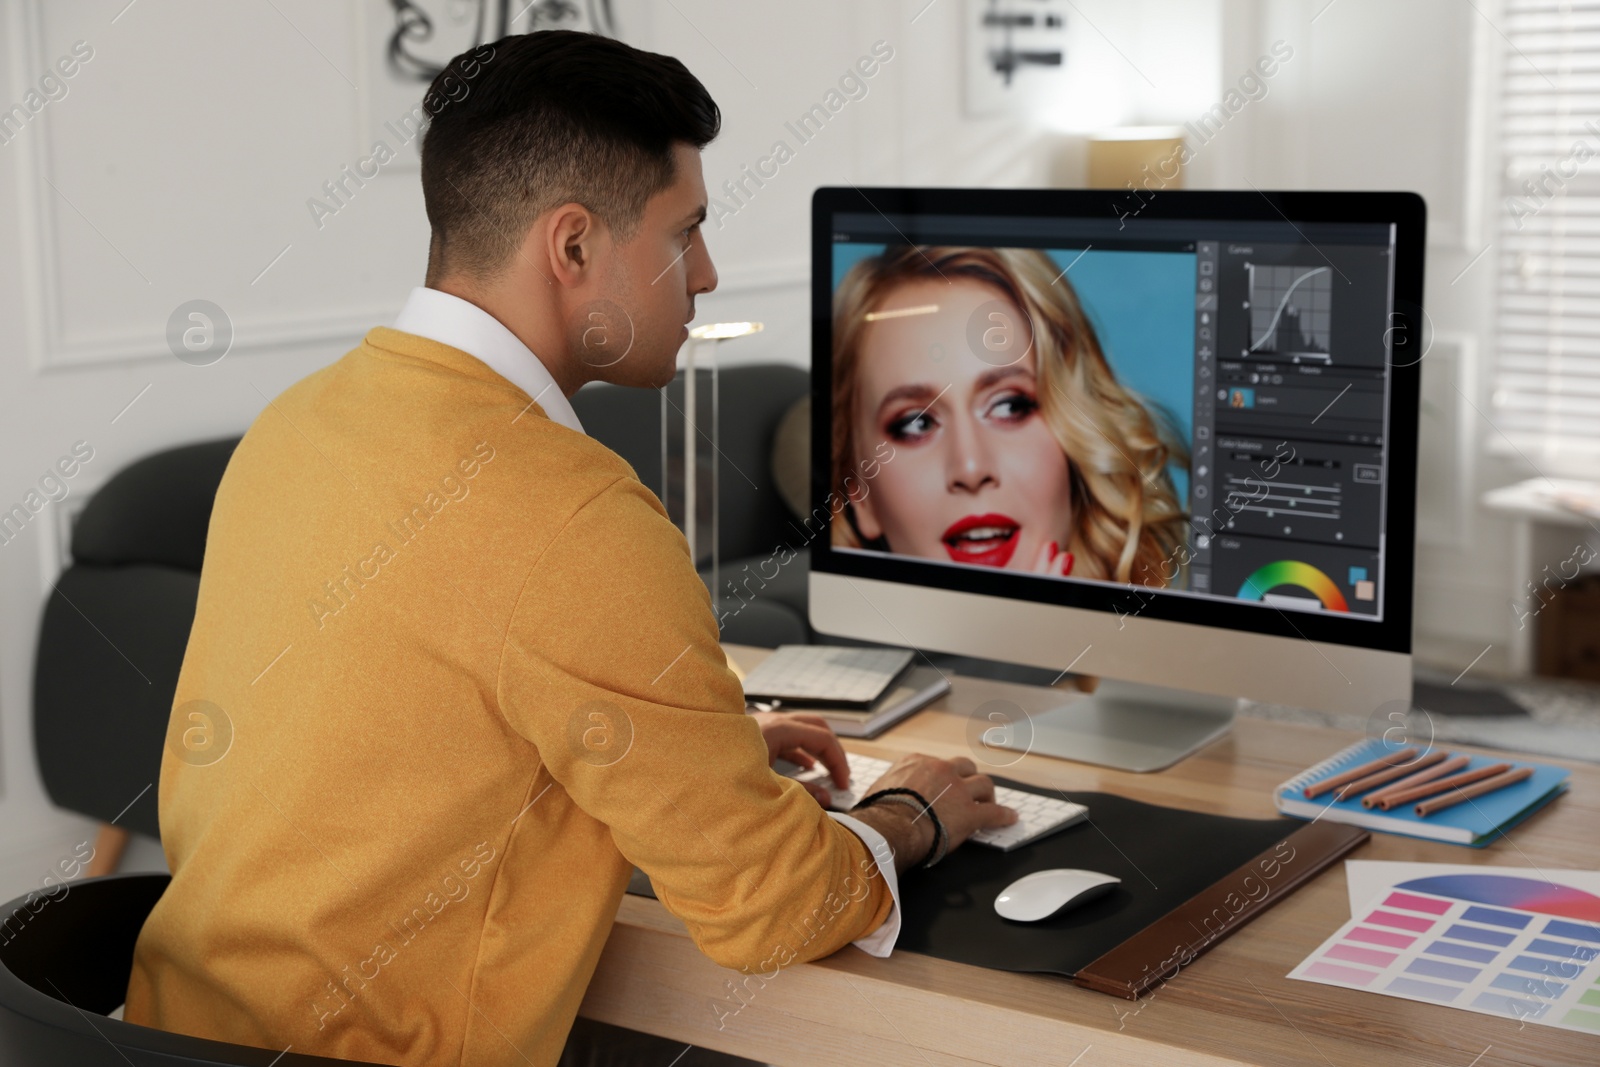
(1513, 947)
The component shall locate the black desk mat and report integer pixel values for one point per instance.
(1164, 856)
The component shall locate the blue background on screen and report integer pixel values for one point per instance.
(1142, 308)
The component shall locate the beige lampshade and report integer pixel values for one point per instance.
(1120, 156)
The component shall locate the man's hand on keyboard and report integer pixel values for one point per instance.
(806, 740)
(1038, 814)
(961, 797)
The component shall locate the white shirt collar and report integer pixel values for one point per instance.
(461, 324)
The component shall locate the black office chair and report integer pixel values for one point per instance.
(64, 963)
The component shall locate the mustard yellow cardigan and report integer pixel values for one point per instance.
(451, 673)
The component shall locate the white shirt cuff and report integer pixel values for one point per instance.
(881, 941)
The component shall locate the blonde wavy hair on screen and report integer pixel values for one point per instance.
(1127, 522)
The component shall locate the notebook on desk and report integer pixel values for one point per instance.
(1476, 824)
(825, 675)
(915, 690)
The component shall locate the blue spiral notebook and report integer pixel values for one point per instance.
(1476, 822)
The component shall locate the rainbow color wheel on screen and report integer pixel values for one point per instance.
(1293, 572)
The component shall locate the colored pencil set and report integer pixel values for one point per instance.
(1436, 780)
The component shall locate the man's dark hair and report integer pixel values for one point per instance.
(537, 120)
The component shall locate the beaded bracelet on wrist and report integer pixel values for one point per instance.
(912, 798)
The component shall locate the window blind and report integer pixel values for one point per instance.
(1547, 372)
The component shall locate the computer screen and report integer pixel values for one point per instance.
(1194, 406)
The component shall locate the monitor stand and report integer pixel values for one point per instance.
(1126, 725)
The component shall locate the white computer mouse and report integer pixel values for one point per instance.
(1042, 894)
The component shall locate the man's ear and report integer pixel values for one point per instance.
(572, 238)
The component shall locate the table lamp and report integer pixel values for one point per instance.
(690, 442)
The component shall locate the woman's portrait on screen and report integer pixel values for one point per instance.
(1014, 443)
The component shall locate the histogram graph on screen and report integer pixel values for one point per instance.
(1290, 311)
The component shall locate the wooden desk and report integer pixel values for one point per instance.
(1232, 1005)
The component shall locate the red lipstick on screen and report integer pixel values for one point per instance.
(987, 540)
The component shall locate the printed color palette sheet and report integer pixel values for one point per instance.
(1519, 948)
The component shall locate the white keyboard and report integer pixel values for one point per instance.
(825, 674)
(1037, 814)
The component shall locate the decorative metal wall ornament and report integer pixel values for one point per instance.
(415, 25)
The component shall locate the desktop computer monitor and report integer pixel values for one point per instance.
(1167, 439)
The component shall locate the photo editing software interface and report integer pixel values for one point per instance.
(1259, 350)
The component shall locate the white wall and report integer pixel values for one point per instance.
(180, 162)
(1400, 96)
(176, 167)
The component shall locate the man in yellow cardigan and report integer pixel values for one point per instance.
(469, 673)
